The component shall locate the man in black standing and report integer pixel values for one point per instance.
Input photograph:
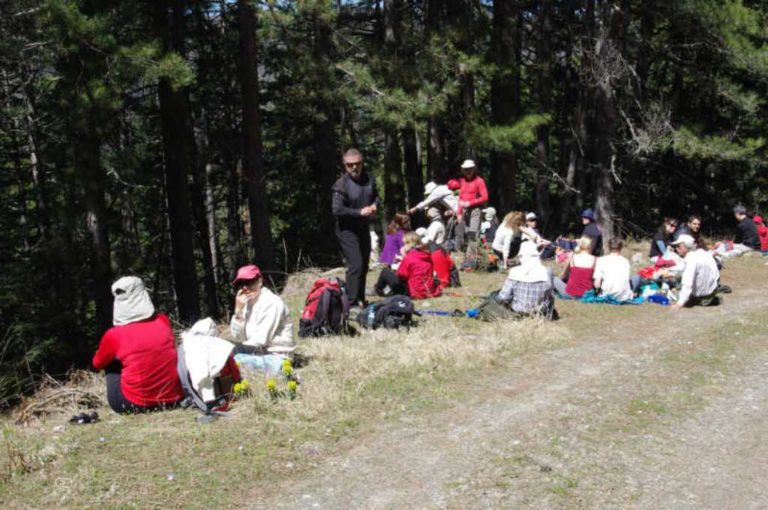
(354, 206)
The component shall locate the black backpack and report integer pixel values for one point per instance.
(390, 313)
(326, 311)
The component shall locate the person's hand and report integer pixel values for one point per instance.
(242, 298)
(464, 203)
(366, 211)
(412, 210)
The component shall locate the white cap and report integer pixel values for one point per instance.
(468, 163)
(686, 240)
(433, 212)
(530, 216)
(489, 213)
(429, 187)
(421, 231)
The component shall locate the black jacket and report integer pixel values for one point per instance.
(747, 233)
(349, 196)
(593, 231)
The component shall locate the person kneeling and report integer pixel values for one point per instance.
(138, 353)
(700, 277)
(528, 289)
(261, 326)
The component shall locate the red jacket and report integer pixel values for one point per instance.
(762, 231)
(147, 352)
(416, 271)
(442, 263)
(473, 191)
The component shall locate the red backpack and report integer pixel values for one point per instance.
(326, 311)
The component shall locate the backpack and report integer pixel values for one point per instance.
(223, 385)
(389, 313)
(326, 311)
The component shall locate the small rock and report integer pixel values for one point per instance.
(58, 428)
(102, 440)
(170, 477)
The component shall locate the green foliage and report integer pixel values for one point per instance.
(689, 145)
(507, 138)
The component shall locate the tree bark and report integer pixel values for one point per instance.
(253, 166)
(414, 176)
(544, 57)
(175, 119)
(505, 96)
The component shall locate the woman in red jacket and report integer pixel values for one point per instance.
(416, 270)
(138, 353)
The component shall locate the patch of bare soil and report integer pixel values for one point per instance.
(646, 408)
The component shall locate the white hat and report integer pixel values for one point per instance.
(429, 187)
(421, 231)
(489, 213)
(132, 301)
(468, 163)
(530, 269)
(686, 240)
(433, 212)
(530, 216)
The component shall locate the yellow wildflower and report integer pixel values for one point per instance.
(271, 385)
(292, 385)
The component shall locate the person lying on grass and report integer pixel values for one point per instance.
(528, 289)
(700, 277)
(138, 353)
(415, 274)
(261, 325)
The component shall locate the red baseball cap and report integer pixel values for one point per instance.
(245, 273)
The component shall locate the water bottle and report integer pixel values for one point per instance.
(371, 315)
(665, 289)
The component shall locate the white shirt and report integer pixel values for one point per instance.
(503, 239)
(441, 194)
(436, 231)
(614, 271)
(266, 323)
(700, 275)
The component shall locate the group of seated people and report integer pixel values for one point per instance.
(139, 352)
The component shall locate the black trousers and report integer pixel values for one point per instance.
(356, 248)
(117, 400)
(387, 277)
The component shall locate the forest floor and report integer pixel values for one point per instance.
(633, 406)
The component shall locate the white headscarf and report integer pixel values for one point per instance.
(132, 301)
(530, 269)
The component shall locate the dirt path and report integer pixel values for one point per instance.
(652, 409)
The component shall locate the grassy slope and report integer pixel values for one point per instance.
(352, 387)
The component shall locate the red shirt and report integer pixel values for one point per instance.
(416, 271)
(442, 264)
(147, 351)
(473, 191)
(762, 231)
(579, 281)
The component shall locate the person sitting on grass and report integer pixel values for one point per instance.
(747, 239)
(579, 270)
(699, 282)
(528, 288)
(762, 232)
(593, 231)
(612, 273)
(261, 325)
(393, 242)
(436, 229)
(662, 239)
(445, 270)
(138, 353)
(415, 274)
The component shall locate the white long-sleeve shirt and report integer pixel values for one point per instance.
(503, 239)
(441, 194)
(265, 323)
(700, 276)
(436, 231)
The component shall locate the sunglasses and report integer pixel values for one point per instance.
(353, 165)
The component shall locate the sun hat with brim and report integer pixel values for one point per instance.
(132, 302)
(685, 240)
(429, 187)
(489, 213)
(589, 214)
(245, 273)
(468, 163)
(531, 269)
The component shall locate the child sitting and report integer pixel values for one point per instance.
(415, 274)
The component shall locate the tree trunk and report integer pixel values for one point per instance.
(253, 167)
(544, 57)
(413, 173)
(394, 192)
(88, 167)
(175, 119)
(505, 97)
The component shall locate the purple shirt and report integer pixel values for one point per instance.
(392, 245)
